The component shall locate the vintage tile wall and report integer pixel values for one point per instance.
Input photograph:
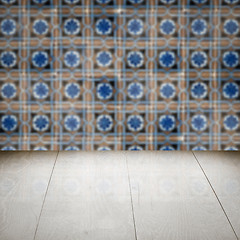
(119, 74)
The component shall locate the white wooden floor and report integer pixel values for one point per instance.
(119, 195)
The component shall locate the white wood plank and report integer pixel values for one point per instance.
(172, 199)
(88, 198)
(24, 177)
(223, 172)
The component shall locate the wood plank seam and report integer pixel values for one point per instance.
(45, 196)
(215, 195)
(130, 191)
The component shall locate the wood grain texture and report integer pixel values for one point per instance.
(24, 177)
(172, 199)
(223, 171)
(88, 198)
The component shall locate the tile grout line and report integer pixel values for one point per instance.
(45, 196)
(130, 191)
(215, 195)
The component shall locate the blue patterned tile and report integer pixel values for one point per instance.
(119, 75)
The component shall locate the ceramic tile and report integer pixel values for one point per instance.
(119, 74)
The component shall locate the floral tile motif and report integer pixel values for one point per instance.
(119, 75)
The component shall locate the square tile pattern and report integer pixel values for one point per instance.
(119, 74)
